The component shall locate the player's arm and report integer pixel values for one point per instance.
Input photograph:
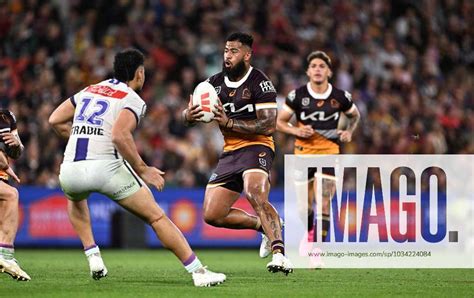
(3, 161)
(122, 137)
(61, 119)
(265, 123)
(13, 141)
(284, 125)
(5, 167)
(353, 117)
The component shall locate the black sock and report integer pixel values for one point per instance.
(311, 220)
(326, 224)
(278, 247)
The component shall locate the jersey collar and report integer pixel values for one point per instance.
(324, 95)
(237, 84)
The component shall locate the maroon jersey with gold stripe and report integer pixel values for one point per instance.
(321, 111)
(7, 124)
(241, 100)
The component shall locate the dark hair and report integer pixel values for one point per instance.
(126, 63)
(244, 38)
(321, 55)
(4, 117)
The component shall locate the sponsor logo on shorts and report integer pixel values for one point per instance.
(124, 189)
(262, 162)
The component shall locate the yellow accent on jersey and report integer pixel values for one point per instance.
(234, 141)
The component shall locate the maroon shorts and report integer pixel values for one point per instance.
(232, 165)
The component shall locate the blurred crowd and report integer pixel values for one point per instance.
(408, 64)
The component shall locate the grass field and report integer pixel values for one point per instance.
(157, 273)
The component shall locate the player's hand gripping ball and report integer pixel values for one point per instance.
(206, 97)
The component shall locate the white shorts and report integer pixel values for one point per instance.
(113, 178)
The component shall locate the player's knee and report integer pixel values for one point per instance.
(255, 191)
(212, 219)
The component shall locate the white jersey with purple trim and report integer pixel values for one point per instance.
(97, 109)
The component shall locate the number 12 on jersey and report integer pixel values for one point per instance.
(92, 111)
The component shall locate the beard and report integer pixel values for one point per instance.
(235, 72)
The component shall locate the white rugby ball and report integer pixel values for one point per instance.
(205, 96)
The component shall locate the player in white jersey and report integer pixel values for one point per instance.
(101, 156)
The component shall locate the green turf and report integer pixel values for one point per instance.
(153, 273)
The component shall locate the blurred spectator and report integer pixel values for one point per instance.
(408, 64)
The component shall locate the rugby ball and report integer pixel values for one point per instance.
(205, 96)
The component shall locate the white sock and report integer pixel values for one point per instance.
(192, 264)
(94, 250)
(7, 253)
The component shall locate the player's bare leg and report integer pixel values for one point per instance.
(257, 189)
(8, 213)
(8, 228)
(144, 206)
(218, 210)
(79, 217)
(305, 196)
(328, 190)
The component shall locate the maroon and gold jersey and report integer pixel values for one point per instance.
(322, 112)
(242, 100)
(7, 124)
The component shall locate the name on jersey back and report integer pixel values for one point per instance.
(87, 130)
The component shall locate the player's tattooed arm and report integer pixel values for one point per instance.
(353, 116)
(265, 124)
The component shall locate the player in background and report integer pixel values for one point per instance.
(101, 156)
(246, 116)
(10, 147)
(317, 106)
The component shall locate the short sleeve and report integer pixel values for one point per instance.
(290, 102)
(74, 98)
(265, 93)
(346, 101)
(12, 120)
(136, 105)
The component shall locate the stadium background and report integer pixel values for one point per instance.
(408, 64)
